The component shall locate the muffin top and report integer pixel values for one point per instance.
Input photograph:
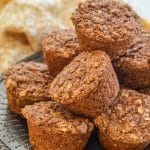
(110, 20)
(129, 119)
(80, 77)
(139, 50)
(28, 79)
(61, 42)
(53, 116)
(138, 54)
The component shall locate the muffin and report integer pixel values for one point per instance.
(88, 85)
(127, 125)
(106, 24)
(133, 68)
(27, 83)
(53, 127)
(59, 48)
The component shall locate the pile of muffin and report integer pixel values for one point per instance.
(98, 74)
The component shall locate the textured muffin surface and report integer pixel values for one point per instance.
(59, 48)
(88, 85)
(27, 83)
(127, 125)
(133, 68)
(107, 24)
(53, 127)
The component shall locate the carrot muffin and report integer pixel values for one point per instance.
(133, 68)
(106, 24)
(88, 85)
(52, 127)
(59, 48)
(127, 125)
(27, 83)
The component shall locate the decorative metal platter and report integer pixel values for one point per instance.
(13, 128)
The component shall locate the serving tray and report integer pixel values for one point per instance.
(13, 129)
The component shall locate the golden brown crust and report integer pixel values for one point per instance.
(27, 83)
(133, 68)
(88, 85)
(127, 125)
(59, 48)
(53, 127)
(106, 24)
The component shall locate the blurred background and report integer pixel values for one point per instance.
(24, 23)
